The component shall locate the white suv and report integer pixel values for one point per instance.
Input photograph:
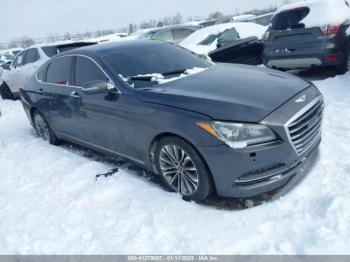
(27, 61)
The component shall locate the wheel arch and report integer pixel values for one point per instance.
(159, 137)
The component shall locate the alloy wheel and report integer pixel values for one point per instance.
(42, 128)
(179, 170)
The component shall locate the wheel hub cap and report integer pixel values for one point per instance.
(178, 170)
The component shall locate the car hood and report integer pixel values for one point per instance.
(228, 92)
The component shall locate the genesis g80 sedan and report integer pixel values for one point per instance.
(232, 130)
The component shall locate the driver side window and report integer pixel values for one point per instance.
(87, 71)
(19, 61)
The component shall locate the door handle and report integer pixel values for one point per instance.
(74, 94)
(40, 90)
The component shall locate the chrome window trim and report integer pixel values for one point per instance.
(77, 87)
(295, 117)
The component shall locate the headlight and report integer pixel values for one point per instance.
(238, 135)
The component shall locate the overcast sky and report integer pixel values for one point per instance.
(39, 18)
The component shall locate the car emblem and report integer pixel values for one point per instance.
(301, 99)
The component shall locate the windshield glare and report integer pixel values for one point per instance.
(147, 35)
(152, 59)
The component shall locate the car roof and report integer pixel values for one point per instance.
(110, 47)
(59, 43)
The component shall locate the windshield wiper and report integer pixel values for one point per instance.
(174, 72)
(154, 77)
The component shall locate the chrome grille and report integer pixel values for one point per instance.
(304, 129)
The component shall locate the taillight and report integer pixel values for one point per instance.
(330, 29)
(266, 36)
(331, 58)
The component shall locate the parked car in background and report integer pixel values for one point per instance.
(264, 19)
(6, 57)
(238, 18)
(309, 34)
(173, 34)
(27, 61)
(234, 130)
(201, 23)
(231, 43)
(11, 51)
(109, 37)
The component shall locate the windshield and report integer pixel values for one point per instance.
(164, 60)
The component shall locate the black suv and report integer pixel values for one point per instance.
(309, 34)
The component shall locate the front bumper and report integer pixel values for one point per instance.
(255, 170)
(252, 172)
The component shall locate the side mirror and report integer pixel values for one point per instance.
(96, 87)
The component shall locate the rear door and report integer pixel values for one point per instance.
(32, 56)
(288, 36)
(60, 98)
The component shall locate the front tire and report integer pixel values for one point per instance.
(43, 129)
(182, 169)
(5, 92)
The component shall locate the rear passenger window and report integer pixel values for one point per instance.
(290, 19)
(87, 71)
(32, 56)
(59, 71)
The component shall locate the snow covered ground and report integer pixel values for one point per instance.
(50, 202)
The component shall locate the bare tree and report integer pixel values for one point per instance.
(132, 28)
(216, 15)
(176, 19)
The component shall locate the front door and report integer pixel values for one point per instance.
(99, 112)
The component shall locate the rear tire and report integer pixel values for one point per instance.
(182, 169)
(5, 92)
(43, 129)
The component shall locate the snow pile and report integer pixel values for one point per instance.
(244, 30)
(160, 79)
(50, 202)
(243, 18)
(322, 12)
